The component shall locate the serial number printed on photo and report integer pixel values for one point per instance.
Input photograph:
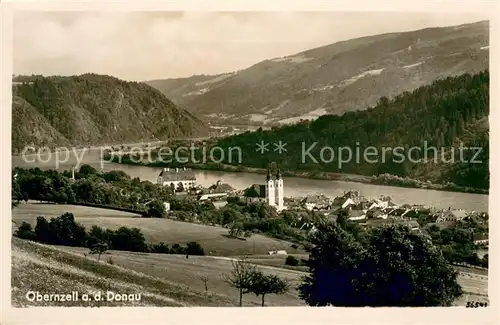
(36, 296)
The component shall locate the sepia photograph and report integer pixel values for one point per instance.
(250, 159)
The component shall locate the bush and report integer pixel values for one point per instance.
(25, 232)
(194, 248)
(291, 260)
(160, 248)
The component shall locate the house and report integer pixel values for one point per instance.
(379, 204)
(178, 179)
(212, 196)
(481, 239)
(376, 213)
(220, 187)
(357, 215)
(412, 224)
(278, 252)
(349, 197)
(349, 202)
(397, 212)
(255, 193)
(451, 215)
(219, 204)
(318, 201)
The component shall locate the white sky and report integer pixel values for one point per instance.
(143, 46)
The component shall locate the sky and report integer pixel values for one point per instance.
(158, 45)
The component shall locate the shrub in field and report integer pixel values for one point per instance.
(129, 239)
(194, 248)
(292, 261)
(25, 232)
(160, 248)
(98, 249)
(261, 285)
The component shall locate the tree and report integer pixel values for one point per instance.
(392, 267)
(267, 284)
(25, 231)
(484, 261)
(241, 277)
(98, 249)
(194, 248)
(291, 260)
(236, 229)
(205, 282)
(156, 209)
(87, 170)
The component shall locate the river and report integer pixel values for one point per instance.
(294, 186)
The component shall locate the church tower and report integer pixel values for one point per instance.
(270, 191)
(279, 191)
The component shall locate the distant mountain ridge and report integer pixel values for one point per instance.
(93, 109)
(333, 79)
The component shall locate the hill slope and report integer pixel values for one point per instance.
(340, 77)
(440, 115)
(94, 109)
(161, 279)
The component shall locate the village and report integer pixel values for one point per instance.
(366, 212)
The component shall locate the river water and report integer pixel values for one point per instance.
(293, 186)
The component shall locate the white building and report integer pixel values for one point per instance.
(177, 178)
(272, 192)
(275, 191)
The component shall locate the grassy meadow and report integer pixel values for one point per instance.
(162, 280)
(214, 240)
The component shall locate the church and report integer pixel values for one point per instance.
(272, 192)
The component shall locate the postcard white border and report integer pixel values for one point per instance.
(267, 315)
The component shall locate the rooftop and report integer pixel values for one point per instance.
(177, 174)
(220, 187)
(256, 190)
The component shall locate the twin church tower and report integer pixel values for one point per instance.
(274, 190)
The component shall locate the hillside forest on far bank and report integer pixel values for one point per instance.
(444, 115)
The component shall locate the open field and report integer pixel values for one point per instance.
(33, 208)
(214, 240)
(162, 280)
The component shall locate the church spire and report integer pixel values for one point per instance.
(268, 177)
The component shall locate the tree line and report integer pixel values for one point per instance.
(113, 188)
(65, 231)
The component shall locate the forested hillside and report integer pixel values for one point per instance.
(93, 109)
(444, 114)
